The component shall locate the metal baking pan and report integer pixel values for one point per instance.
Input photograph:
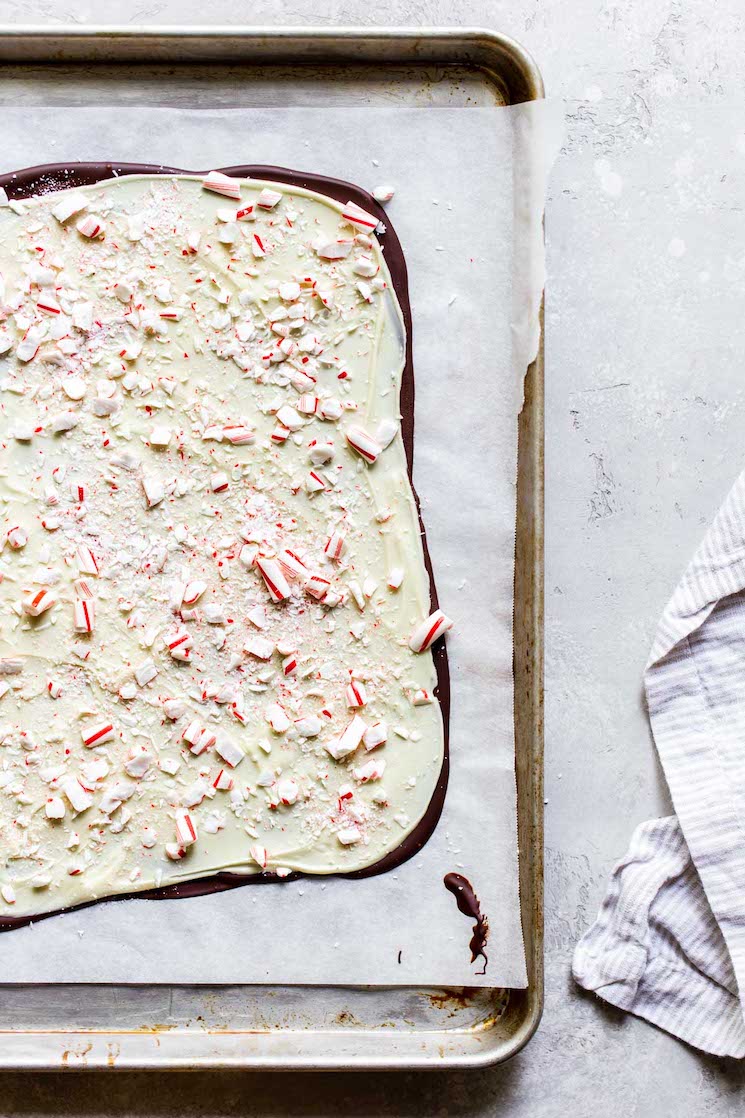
(285, 1027)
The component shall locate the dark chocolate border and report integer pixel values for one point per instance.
(49, 178)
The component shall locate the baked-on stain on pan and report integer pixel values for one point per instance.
(46, 179)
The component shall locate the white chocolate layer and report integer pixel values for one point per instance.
(144, 386)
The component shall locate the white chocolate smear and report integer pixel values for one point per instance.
(214, 631)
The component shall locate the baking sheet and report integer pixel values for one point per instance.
(474, 332)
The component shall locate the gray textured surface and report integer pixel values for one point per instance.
(644, 417)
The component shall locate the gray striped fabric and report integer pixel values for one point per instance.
(669, 940)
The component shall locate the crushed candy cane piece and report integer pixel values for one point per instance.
(347, 743)
(360, 219)
(218, 183)
(84, 615)
(37, 602)
(365, 445)
(274, 579)
(98, 734)
(17, 537)
(429, 631)
(91, 227)
(186, 831)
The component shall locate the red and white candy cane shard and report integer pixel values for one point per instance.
(292, 564)
(258, 247)
(383, 193)
(17, 537)
(276, 583)
(238, 434)
(227, 749)
(218, 183)
(280, 434)
(356, 591)
(360, 219)
(91, 227)
(365, 266)
(154, 491)
(428, 632)
(84, 615)
(174, 708)
(223, 782)
(76, 795)
(335, 545)
(288, 417)
(321, 452)
(289, 664)
(355, 694)
(268, 199)
(245, 213)
(257, 614)
(98, 734)
(145, 672)
(421, 698)
(192, 732)
(309, 726)
(186, 831)
(83, 588)
(78, 491)
(206, 740)
(179, 644)
(333, 250)
(375, 735)
(330, 410)
(54, 808)
(54, 687)
(288, 791)
(219, 482)
(277, 718)
(38, 602)
(258, 647)
(198, 738)
(69, 206)
(289, 292)
(314, 483)
(259, 855)
(363, 443)
(247, 556)
(396, 577)
(317, 586)
(307, 404)
(48, 305)
(192, 242)
(193, 592)
(175, 852)
(386, 432)
(87, 563)
(371, 770)
(345, 745)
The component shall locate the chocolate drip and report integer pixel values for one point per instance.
(53, 177)
(468, 904)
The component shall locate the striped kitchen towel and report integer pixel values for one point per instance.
(669, 940)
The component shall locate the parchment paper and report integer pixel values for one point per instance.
(469, 221)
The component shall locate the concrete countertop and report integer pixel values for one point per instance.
(645, 408)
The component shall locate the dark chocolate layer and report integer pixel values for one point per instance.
(51, 177)
(468, 903)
